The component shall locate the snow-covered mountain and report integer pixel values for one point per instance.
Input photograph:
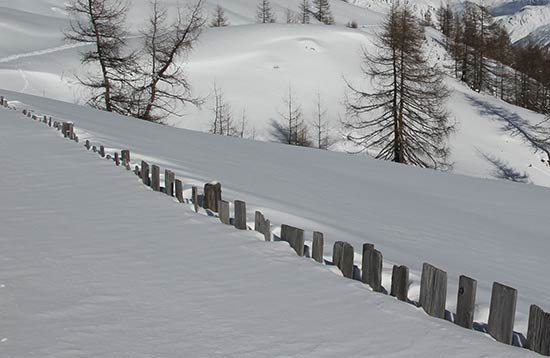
(254, 64)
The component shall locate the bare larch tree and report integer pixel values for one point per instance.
(264, 12)
(101, 23)
(165, 86)
(404, 119)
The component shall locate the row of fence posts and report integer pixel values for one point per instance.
(433, 283)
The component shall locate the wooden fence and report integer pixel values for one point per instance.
(433, 283)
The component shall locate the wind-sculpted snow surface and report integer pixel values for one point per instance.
(94, 264)
(488, 230)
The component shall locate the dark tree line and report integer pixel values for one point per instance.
(147, 83)
(486, 60)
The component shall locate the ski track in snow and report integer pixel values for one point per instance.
(40, 52)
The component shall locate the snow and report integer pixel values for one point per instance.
(94, 264)
(489, 230)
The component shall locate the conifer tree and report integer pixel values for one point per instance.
(218, 18)
(404, 119)
(264, 12)
(321, 11)
(305, 10)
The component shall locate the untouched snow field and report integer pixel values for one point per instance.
(254, 64)
(489, 230)
(94, 264)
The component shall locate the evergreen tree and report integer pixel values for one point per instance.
(321, 11)
(305, 11)
(219, 19)
(404, 120)
(264, 12)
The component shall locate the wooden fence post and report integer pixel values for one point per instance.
(400, 282)
(466, 301)
(87, 144)
(318, 247)
(195, 198)
(212, 195)
(223, 206)
(102, 151)
(337, 253)
(295, 237)
(538, 331)
(433, 290)
(145, 172)
(94, 149)
(367, 252)
(155, 177)
(117, 159)
(125, 154)
(502, 313)
(240, 214)
(67, 129)
(346, 262)
(169, 178)
(375, 270)
(179, 190)
(258, 221)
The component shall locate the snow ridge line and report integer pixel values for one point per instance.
(433, 288)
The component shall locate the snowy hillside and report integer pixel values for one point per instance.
(95, 264)
(254, 64)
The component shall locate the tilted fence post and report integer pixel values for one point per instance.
(295, 237)
(466, 301)
(155, 177)
(538, 331)
(169, 178)
(367, 252)
(502, 313)
(318, 247)
(400, 282)
(179, 190)
(433, 290)
(212, 194)
(145, 172)
(240, 214)
(346, 262)
(195, 198)
(224, 214)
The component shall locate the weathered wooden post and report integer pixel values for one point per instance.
(367, 252)
(67, 129)
(258, 221)
(538, 331)
(145, 172)
(87, 144)
(375, 270)
(102, 151)
(195, 198)
(337, 253)
(117, 159)
(295, 237)
(50, 122)
(169, 178)
(179, 190)
(94, 149)
(155, 177)
(466, 300)
(223, 206)
(433, 290)
(212, 195)
(240, 214)
(2, 100)
(318, 247)
(502, 313)
(400, 282)
(125, 154)
(267, 230)
(346, 262)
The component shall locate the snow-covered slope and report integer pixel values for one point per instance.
(489, 230)
(96, 265)
(254, 65)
